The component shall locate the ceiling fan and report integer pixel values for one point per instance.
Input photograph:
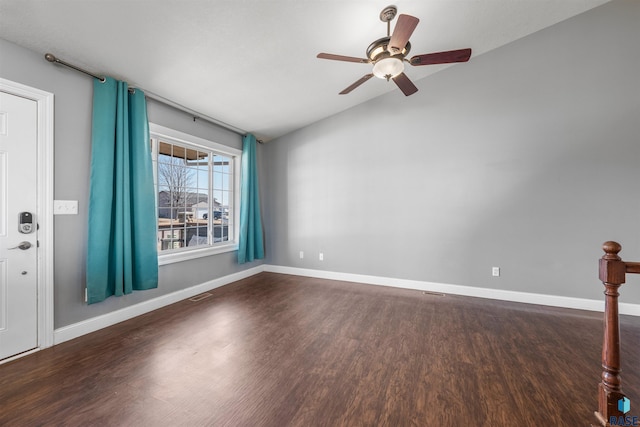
(388, 54)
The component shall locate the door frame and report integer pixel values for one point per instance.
(44, 210)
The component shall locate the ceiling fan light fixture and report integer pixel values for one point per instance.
(387, 68)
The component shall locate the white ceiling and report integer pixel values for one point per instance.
(252, 63)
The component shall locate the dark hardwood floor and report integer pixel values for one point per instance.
(279, 350)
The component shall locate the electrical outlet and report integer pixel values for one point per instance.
(321, 257)
(495, 271)
(301, 254)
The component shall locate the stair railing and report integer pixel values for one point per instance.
(612, 273)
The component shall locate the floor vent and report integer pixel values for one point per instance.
(200, 297)
(437, 294)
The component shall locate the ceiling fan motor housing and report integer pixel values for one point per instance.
(385, 64)
(378, 49)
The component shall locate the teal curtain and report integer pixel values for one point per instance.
(251, 243)
(122, 253)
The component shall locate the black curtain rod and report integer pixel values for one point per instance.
(53, 59)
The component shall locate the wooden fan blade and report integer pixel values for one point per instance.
(356, 84)
(406, 86)
(342, 58)
(401, 33)
(461, 55)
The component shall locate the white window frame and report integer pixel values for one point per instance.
(173, 136)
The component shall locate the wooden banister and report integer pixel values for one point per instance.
(612, 273)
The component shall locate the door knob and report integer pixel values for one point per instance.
(22, 246)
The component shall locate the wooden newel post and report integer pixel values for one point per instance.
(612, 274)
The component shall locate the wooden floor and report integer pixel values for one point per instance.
(279, 350)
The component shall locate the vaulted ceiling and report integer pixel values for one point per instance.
(252, 63)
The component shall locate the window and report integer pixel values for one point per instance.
(197, 190)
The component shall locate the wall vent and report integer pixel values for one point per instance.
(437, 294)
(200, 297)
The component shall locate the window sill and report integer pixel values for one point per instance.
(179, 256)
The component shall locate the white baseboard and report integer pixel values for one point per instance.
(75, 330)
(522, 297)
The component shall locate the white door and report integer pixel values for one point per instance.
(18, 243)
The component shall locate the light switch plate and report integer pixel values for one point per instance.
(65, 207)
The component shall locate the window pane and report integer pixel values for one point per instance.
(197, 236)
(217, 233)
(164, 199)
(217, 180)
(179, 154)
(202, 178)
(164, 152)
(193, 195)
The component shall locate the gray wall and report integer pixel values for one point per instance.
(526, 158)
(73, 97)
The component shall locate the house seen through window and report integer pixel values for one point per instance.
(196, 193)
